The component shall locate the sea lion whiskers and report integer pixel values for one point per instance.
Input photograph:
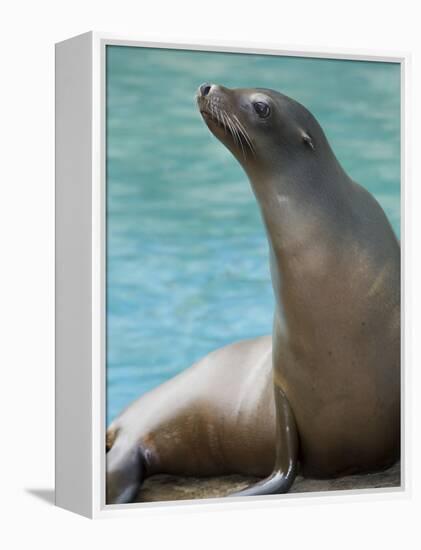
(229, 123)
(231, 129)
(235, 134)
(223, 121)
(226, 122)
(216, 112)
(245, 134)
(238, 134)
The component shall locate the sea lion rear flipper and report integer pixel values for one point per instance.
(125, 470)
(285, 470)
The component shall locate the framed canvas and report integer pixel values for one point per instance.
(229, 312)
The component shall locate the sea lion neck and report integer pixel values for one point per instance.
(296, 202)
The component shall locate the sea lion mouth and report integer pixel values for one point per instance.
(212, 112)
(209, 116)
(228, 124)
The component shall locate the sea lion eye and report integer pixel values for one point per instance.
(262, 109)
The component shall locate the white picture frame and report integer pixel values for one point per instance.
(80, 276)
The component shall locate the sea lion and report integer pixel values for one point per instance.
(321, 394)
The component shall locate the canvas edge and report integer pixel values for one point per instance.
(73, 312)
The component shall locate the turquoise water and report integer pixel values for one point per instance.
(187, 267)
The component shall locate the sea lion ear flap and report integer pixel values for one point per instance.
(308, 140)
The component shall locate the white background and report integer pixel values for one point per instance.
(28, 32)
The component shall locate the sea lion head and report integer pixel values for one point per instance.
(261, 127)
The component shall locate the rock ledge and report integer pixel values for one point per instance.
(161, 488)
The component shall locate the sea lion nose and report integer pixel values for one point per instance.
(205, 88)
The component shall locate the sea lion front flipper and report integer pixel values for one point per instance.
(285, 470)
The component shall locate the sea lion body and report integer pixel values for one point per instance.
(216, 417)
(335, 348)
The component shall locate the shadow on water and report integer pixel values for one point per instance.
(47, 495)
